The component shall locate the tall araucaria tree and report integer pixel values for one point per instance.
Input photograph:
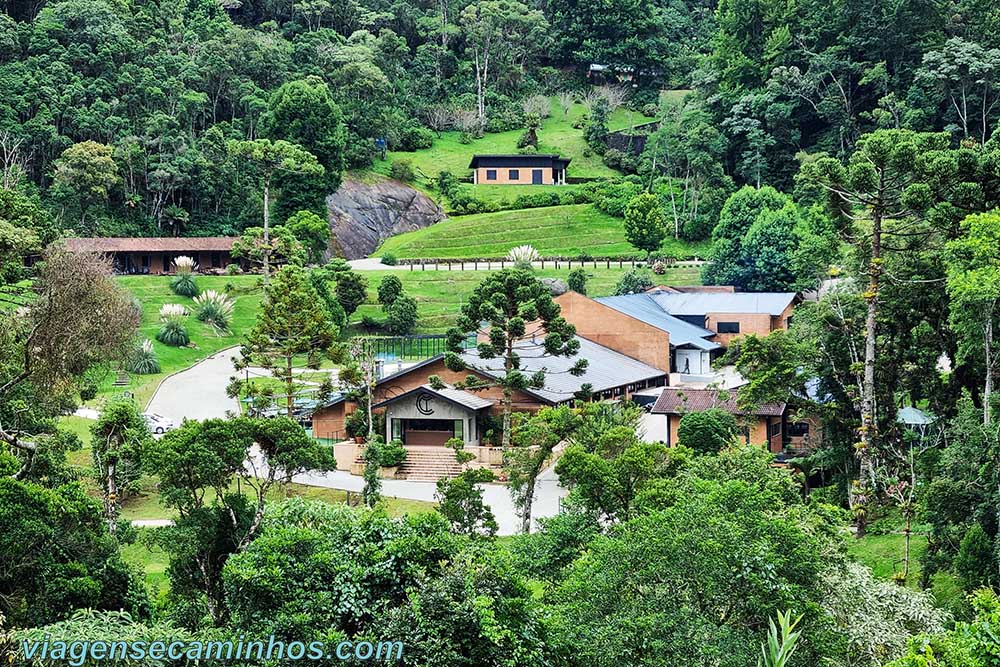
(292, 330)
(507, 307)
(884, 196)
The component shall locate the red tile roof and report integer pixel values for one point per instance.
(152, 244)
(678, 401)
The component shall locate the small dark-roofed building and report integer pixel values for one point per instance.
(516, 169)
(155, 255)
(771, 424)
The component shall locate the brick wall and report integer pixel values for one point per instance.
(615, 330)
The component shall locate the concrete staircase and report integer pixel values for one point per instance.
(428, 464)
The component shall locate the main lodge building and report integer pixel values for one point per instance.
(655, 348)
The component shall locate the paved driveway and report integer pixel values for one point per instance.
(198, 392)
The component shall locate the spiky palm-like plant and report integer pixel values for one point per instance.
(185, 264)
(173, 333)
(169, 310)
(183, 282)
(523, 256)
(144, 360)
(214, 308)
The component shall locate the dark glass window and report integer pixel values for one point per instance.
(491, 174)
(514, 175)
(798, 430)
(729, 327)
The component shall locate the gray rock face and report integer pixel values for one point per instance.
(362, 215)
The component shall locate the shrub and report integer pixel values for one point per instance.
(356, 424)
(144, 360)
(233, 269)
(633, 282)
(537, 200)
(523, 256)
(415, 138)
(389, 289)
(708, 431)
(391, 454)
(649, 110)
(577, 281)
(401, 316)
(369, 323)
(389, 259)
(183, 284)
(466, 138)
(659, 267)
(173, 333)
(402, 170)
(214, 308)
(88, 390)
(527, 150)
(467, 205)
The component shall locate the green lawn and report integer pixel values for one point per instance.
(884, 554)
(624, 118)
(154, 291)
(556, 135)
(564, 231)
(441, 293)
(79, 426)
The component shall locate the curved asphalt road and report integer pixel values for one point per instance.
(199, 392)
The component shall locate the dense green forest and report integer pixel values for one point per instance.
(117, 116)
(845, 150)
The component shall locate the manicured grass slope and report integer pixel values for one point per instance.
(440, 294)
(556, 135)
(154, 291)
(553, 231)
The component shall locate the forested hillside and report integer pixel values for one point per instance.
(836, 503)
(116, 115)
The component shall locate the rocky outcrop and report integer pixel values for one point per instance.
(362, 215)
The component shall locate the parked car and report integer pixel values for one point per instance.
(159, 424)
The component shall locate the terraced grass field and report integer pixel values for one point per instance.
(553, 231)
(440, 294)
(556, 135)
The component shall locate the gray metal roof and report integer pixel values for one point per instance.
(700, 303)
(606, 369)
(642, 307)
(914, 417)
(468, 399)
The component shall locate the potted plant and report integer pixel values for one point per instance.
(356, 425)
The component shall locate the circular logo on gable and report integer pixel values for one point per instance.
(424, 405)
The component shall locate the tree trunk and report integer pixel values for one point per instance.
(988, 351)
(111, 500)
(507, 401)
(529, 500)
(868, 421)
(289, 401)
(266, 250)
